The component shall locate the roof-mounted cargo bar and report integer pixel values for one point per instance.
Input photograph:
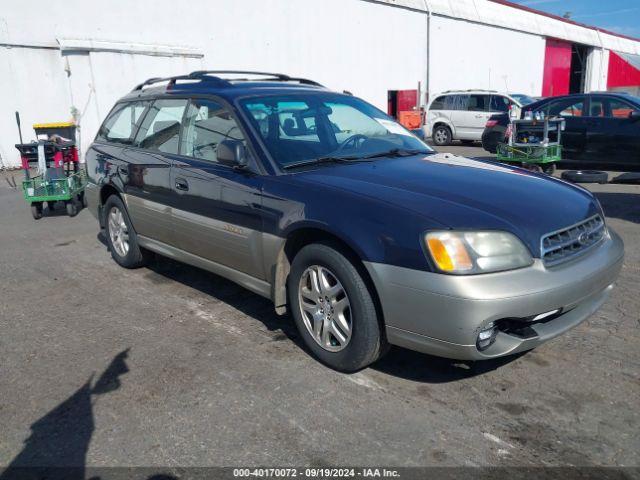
(212, 76)
(172, 80)
(270, 76)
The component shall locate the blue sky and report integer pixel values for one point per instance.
(621, 16)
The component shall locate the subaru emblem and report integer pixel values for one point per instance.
(583, 239)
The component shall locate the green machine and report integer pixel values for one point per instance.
(60, 177)
(533, 143)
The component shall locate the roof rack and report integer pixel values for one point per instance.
(271, 76)
(471, 90)
(172, 80)
(212, 76)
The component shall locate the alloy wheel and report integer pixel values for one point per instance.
(441, 136)
(118, 232)
(325, 308)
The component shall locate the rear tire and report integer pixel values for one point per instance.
(72, 208)
(122, 239)
(349, 338)
(36, 210)
(442, 135)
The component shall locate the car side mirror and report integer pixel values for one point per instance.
(232, 153)
(634, 115)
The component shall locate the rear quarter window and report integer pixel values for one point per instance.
(122, 123)
(438, 103)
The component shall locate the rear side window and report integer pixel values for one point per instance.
(160, 130)
(457, 102)
(450, 102)
(478, 103)
(618, 109)
(568, 107)
(499, 103)
(121, 124)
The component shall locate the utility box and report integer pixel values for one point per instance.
(64, 129)
(411, 120)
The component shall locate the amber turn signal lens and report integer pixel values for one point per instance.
(449, 253)
(440, 255)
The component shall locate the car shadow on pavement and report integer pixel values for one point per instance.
(226, 291)
(398, 362)
(421, 367)
(59, 441)
(625, 206)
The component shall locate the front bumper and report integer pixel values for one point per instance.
(443, 314)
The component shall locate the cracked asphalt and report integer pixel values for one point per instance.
(172, 366)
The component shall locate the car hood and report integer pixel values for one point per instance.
(462, 193)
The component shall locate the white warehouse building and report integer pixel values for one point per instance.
(74, 59)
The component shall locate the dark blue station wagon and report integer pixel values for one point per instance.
(324, 204)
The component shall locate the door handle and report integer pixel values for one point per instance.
(181, 184)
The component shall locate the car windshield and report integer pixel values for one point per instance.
(304, 128)
(523, 99)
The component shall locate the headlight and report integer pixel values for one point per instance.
(468, 253)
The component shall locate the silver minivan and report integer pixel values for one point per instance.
(463, 114)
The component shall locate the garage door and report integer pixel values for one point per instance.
(557, 68)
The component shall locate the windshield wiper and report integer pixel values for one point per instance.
(323, 160)
(397, 152)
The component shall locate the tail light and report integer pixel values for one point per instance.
(491, 123)
(507, 132)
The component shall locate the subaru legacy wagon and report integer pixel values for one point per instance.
(325, 205)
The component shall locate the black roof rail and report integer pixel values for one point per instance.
(273, 76)
(172, 80)
(211, 75)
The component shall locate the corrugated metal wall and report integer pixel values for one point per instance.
(53, 60)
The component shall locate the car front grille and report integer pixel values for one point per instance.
(563, 245)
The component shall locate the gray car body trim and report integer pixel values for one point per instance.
(256, 285)
(443, 314)
(505, 344)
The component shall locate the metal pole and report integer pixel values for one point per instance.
(427, 85)
(19, 129)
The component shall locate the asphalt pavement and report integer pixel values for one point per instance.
(171, 366)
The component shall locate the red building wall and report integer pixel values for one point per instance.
(621, 73)
(407, 100)
(557, 68)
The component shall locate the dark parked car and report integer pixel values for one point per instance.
(328, 207)
(523, 98)
(600, 127)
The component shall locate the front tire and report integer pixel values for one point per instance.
(72, 208)
(121, 237)
(36, 210)
(334, 309)
(442, 135)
